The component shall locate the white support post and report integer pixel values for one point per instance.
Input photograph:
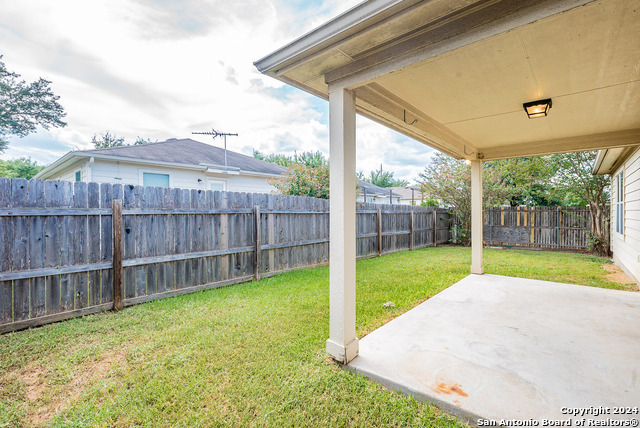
(476, 217)
(342, 344)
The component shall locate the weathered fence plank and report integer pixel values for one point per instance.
(79, 253)
(93, 245)
(20, 252)
(66, 239)
(118, 288)
(6, 287)
(36, 249)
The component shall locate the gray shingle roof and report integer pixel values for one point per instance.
(190, 152)
(373, 190)
(405, 192)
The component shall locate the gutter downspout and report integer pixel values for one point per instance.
(90, 169)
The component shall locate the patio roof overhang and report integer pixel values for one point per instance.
(454, 74)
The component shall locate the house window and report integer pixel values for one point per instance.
(78, 175)
(620, 203)
(217, 185)
(155, 179)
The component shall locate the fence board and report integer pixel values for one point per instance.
(20, 251)
(36, 249)
(79, 246)
(93, 245)
(6, 287)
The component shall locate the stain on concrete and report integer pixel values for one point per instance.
(444, 388)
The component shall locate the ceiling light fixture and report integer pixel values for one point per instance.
(538, 108)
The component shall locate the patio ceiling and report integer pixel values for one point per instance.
(454, 74)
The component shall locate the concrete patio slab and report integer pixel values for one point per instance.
(493, 348)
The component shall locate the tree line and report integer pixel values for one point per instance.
(554, 180)
(308, 174)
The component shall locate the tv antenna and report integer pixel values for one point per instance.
(215, 134)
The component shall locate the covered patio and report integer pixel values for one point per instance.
(457, 75)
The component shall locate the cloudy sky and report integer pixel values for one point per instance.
(159, 69)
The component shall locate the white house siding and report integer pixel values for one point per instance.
(408, 201)
(248, 184)
(131, 173)
(69, 174)
(384, 200)
(626, 247)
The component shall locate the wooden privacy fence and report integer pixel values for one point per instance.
(71, 249)
(542, 227)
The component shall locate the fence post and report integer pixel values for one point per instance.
(117, 254)
(491, 226)
(435, 226)
(558, 227)
(533, 225)
(379, 232)
(258, 254)
(411, 231)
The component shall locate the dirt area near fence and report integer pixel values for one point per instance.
(46, 400)
(615, 274)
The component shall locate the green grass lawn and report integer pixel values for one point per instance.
(249, 354)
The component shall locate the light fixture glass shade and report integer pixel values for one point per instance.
(538, 108)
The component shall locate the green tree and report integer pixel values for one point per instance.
(527, 180)
(106, 140)
(303, 180)
(448, 180)
(20, 168)
(310, 159)
(307, 174)
(429, 202)
(278, 159)
(140, 141)
(24, 106)
(382, 178)
(576, 180)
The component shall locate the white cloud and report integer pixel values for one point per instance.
(162, 69)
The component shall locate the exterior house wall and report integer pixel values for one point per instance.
(69, 174)
(247, 184)
(626, 246)
(404, 201)
(131, 173)
(379, 199)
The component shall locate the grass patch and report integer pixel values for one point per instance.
(249, 354)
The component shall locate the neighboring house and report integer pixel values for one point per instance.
(185, 163)
(623, 164)
(376, 194)
(409, 195)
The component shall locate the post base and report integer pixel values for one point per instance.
(477, 270)
(341, 353)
